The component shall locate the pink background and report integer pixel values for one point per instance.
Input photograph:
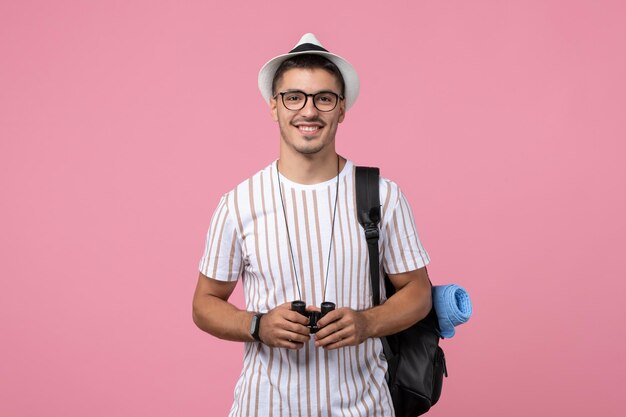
(123, 122)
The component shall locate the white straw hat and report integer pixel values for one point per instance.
(309, 44)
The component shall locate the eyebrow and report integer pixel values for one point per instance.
(295, 90)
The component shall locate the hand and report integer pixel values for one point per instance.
(341, 327)
(282, 327)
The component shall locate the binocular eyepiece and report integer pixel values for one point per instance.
(313, 316)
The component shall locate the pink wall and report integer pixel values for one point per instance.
(121, 124)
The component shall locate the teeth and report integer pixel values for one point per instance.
(308, 128)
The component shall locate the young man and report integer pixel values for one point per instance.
(291, 233)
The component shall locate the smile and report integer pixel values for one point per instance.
(308, 129)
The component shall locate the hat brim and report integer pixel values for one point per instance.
(349, 74)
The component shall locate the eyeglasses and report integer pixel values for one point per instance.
(323, 101)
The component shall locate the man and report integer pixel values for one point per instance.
(291, 233)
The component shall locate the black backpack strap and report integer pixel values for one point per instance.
(368, 212)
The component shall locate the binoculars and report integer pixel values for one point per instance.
(313, 316)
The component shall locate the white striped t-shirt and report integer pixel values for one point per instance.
(247, 238)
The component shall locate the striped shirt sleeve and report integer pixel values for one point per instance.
(222, 257)
(403, 250)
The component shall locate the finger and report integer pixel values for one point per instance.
(328, 330)
(295, 337)
(296, 328)
(278, 335)
(290, 345)
(288, 340)
(338, 344)
(295, 317)
(346, 333)
(330, 317)
(336, 341)
(313, 308)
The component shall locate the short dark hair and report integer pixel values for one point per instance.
(308, 61)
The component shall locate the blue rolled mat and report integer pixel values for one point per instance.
(453, 307)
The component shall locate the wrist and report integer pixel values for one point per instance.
(255, 327)
(370, 321)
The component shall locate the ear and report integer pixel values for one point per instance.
(342, 110)
(274, 109)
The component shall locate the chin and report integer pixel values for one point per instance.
(308, 145)
(308, 151)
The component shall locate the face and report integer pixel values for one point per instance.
(307, 131)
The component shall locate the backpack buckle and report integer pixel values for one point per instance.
(371, 232)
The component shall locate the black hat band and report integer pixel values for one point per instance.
(307, 47)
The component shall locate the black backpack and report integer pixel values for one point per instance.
(415, 362)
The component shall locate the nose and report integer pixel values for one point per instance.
(309, 108)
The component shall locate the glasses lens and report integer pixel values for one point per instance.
(294, 100)
(325, 101)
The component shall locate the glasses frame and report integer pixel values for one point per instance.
(306, 99)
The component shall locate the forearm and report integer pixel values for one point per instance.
(405, 308)
(222, 319)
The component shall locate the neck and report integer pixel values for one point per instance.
(310, 169)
